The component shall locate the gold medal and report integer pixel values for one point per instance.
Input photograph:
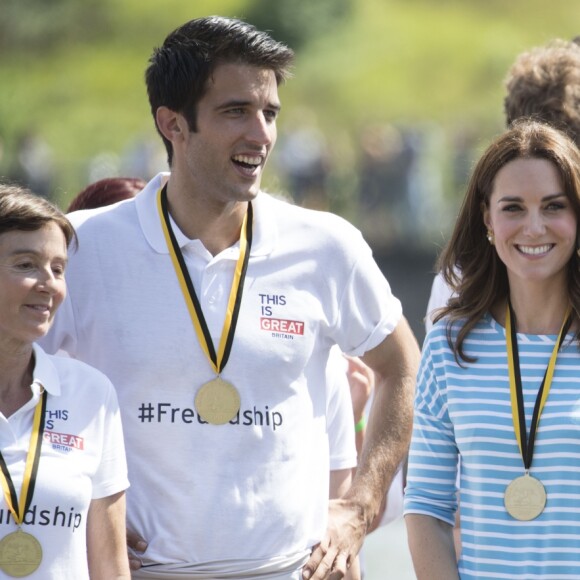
(20, 554)
(217, 401)
(525, 498)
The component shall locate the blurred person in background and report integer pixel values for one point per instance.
(63, 468)
(227, 447)
(502, 354)
(106, 192)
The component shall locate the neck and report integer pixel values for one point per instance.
(216, 225)
(538, 311)
(16, 369)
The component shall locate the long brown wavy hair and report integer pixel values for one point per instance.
(469, 263)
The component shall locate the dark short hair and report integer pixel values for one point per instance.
(179, 71)
(22, 210)
(106, 191)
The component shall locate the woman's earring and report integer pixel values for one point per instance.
(491, 240)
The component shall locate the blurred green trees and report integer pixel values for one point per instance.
(37, 26)
(72, 72)
(295, 22)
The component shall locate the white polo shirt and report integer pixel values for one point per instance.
(253, 491)
(82, 458)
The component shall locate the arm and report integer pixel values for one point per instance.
(431, 491)
(106, 547)
(432, 549)
(394, 363)
(361, 382)
(340, 481)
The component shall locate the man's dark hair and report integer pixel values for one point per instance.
(178, 72)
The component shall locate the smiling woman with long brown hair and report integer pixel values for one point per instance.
(498, 383)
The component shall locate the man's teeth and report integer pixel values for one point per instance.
(534, 250)
(248, 160)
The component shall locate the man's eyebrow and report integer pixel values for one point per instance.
(244, 103)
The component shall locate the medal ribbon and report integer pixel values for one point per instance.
(526, 444)
(20, 507)
(194, 307)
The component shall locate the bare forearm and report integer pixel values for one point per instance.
(394, 363)
(432, 549)
(340, 481)
(386, 442)
(106, 542)
(389, 429)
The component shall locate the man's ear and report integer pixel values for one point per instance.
(170, 124)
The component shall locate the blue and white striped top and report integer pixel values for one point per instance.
(466, 412)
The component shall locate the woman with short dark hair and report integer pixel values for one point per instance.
(62, 460)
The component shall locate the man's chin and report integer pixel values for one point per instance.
(252, 192)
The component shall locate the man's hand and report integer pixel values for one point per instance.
(135, 543)
(341, 543)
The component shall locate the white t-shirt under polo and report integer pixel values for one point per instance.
(251, 493)
(82, 458)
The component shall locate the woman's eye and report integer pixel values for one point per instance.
(511, 207)
(25, 266)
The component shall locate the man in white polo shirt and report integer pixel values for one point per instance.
(212, 307)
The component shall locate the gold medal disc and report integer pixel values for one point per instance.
(20, 554)
(525, 498)
(217, 401)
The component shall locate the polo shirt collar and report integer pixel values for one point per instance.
(45, 372)
(265, 232)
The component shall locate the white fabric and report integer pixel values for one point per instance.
(395, 494)
(257, 489)
(276, 569)
(440, 294)
(339, 413)
(82, 458)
